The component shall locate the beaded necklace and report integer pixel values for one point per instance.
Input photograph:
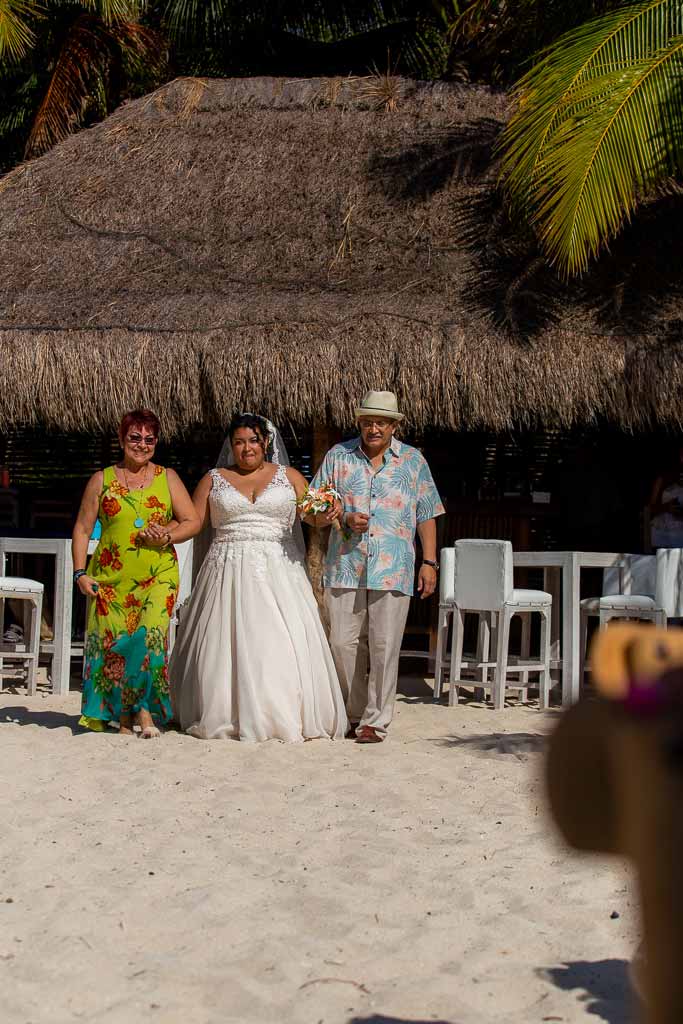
(139, 521)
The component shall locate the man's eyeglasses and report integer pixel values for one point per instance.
(148, 442)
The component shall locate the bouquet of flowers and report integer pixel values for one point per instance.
(318, 499)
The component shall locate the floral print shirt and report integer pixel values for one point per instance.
(397, 496)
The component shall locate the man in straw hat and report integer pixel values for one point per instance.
(387, 493)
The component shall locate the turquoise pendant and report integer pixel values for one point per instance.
(139, 522)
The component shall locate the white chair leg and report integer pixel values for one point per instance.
(2, 632)
(456, 654)
(34, 646)
(483, 653)
(583, 648)
(605, 617)
(494, 622)
(660, 618)
(441, 648)
(525, 653)
(500, 673)
(544, 675)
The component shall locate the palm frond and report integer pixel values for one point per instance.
(308, 37)
(67, 92)
(598, 124)
(14, 119)
(206, 19)
(78, 85)
(144, 51)
(113, 11)
(16, 34)
(78, 65)
(499, 38)
(323, 21)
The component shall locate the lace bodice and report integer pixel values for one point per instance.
(270, 518)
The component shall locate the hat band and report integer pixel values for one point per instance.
(390, 414)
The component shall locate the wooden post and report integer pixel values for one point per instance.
(324, 437)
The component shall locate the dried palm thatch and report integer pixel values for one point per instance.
(284, 246)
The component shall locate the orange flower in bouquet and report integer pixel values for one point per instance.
(318, 499)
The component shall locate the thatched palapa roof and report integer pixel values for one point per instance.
(284, 246)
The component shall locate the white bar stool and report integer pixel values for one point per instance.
(486, 632)
(17, 588)
(476, 576)
(628, 592)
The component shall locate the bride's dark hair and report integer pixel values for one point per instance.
(252, 422)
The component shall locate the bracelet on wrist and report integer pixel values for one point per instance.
(78, 573)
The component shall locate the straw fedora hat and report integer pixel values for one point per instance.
(379, 403)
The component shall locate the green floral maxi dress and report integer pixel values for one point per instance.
(127, 635)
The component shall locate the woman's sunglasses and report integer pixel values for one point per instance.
(149, 442)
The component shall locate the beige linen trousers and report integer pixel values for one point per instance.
(366, 630)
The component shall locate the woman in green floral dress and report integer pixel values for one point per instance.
(132, 578)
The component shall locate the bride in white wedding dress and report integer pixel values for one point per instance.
(251, 660)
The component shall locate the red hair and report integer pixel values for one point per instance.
(144, 418)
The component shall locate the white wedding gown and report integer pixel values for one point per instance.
(251, 660)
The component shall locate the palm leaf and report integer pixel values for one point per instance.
(144, 51)
(499, 38)
(598, 125)
(324, 21)
(194, 19)
(78, 81)
(307, 36)
(112, 11)
(16, 35)
(67, 93)
(13, 120)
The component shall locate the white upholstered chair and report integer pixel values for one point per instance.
(476, 662)
(17, 588)
(633, 590)
(669, 581)
(477, 576)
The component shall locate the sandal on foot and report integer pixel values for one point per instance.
(148, 730)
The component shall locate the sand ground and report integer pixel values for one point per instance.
(323, 883)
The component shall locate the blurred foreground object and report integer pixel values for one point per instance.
(615, 782)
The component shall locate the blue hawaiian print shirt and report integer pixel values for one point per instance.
(397, 496)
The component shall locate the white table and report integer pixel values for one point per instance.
(562, 575)
(60, 647)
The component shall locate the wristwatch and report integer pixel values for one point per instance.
(428, 561)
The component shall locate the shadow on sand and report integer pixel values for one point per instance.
(414, 689)
(45, 719)
(379, 1018)
(604, 987)
(517, 744)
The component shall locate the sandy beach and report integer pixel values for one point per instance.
(323, 883)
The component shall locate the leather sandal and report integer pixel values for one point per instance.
(369, 735)
(351, 734)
